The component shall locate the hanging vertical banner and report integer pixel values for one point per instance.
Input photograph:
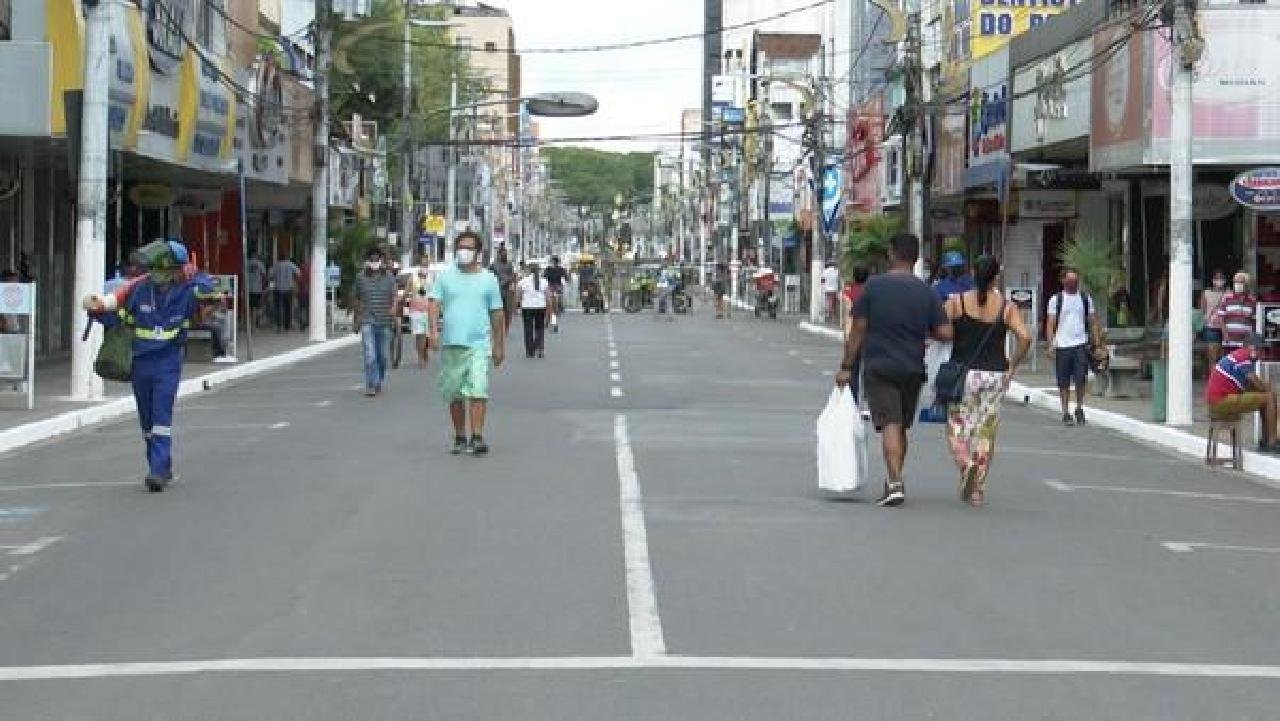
(832, 196)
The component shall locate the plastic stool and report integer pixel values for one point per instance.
(1224, 429)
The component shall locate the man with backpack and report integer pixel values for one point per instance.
(1076, 337)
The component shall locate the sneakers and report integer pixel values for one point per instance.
(478, 447)
(894, 495)
(156, 484)
(1079, 416)
(1067, 420)
(460, 446)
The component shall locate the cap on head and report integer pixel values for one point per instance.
(180, 254)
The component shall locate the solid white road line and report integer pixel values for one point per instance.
(42, 486)
(1015, 667)
(278, 426)
(1189, 546)
(30, 549)
(1069, 487)
(642, 602)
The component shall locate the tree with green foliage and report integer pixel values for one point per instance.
(376, 90)
(595, 177)
(867, 242)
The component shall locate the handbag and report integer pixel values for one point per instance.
(115, 357)
(948, 384)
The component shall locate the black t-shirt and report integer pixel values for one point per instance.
(555, 275)
(901, 312)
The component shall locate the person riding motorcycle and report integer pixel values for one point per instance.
(159, 309)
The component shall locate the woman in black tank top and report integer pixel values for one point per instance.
(982, 321)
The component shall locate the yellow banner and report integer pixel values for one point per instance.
(994, 22)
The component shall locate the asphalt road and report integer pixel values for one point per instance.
(646, 542)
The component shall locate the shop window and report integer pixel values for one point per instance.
(781, 111)
(6, 20)
(491, 47)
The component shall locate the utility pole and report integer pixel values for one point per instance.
(318, 324)
(91, 203)
(1188, 48)
(818, 157)
(406, 159)
(917, 96)
(451, 188)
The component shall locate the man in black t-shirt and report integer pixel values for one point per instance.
(556, 277)
(892, 319)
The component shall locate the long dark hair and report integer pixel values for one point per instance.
(537, 276)
(985, 271)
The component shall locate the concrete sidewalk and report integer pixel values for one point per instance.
(55, 413)
(1129, 416)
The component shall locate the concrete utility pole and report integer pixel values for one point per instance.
(451, 188)
(91, 202)
(818, 138)
(406, 158)
(918, 92)
(318, 324)
(1188, 48)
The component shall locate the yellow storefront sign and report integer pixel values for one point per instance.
(995, 22)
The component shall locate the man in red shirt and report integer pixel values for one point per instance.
(1234, 389)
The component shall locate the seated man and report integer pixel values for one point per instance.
(1234, 389)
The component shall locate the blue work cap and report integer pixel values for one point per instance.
(953, 259)
(179, 252)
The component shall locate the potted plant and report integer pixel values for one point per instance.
(1097, 259)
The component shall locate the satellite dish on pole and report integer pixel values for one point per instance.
(562, 105)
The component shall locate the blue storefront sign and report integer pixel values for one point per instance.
(1258, 189)
(832, 196)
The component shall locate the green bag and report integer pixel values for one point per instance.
(115, 357)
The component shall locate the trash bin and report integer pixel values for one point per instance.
(1159, 389)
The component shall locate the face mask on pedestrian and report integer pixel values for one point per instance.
(466, 256)
(1238, 287)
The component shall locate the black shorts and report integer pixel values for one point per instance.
(255, 300)
(892, 396)
(1071, 365)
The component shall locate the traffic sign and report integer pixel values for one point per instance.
(832, 196)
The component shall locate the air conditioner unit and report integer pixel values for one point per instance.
(893, 170)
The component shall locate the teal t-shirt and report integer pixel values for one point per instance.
(466, 299)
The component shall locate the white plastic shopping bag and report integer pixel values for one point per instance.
(842, 444)
(935, 354)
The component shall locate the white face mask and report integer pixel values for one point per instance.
(1238, 287)
(373, 265)
(466, 256)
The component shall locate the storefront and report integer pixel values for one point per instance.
(988, 177)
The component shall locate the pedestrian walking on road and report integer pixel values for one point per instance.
(1077, 341)
(556, 277)
(830, 279)
(720, 287)
(532, 295)
(159, 309)
(376, 304)
(506, 275)
(419, 291)
(284, 279)
(468, 297)
(982, 320)
(892, 319)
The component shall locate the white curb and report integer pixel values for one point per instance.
(36, 431)
(1265, 468)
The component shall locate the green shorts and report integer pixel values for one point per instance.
(464, 373)
(1237, 404)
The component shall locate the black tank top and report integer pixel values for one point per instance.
(970, 333)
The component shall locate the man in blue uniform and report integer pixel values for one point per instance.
(159, 309)
(955, 278)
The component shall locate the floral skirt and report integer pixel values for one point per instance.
(972, 424)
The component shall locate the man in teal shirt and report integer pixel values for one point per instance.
(470, 300)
